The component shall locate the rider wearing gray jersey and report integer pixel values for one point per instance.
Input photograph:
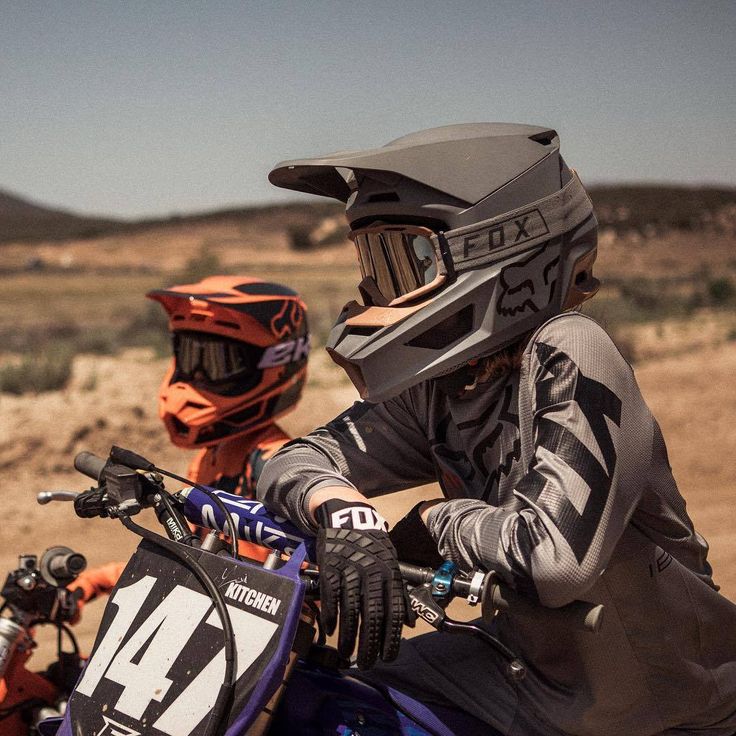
(476, 373)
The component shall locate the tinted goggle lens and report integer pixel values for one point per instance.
(213, 358)
(401, 260)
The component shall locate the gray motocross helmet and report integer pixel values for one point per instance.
(510, 241)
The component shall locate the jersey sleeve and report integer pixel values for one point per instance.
(589, 436)
(266, 447)
(376, 448)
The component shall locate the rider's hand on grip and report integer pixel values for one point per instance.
(360, 582)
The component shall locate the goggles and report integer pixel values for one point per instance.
(211, 359)
(398, 262)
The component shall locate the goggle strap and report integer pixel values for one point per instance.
(521, 229)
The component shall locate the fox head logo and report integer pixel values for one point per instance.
(527, 286)
(288, 320)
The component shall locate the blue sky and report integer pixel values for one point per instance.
(149, 108)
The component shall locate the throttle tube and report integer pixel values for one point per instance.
(90, 465)
(584, 615)
(68, 565)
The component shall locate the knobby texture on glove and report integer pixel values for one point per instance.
(360, 584)
(413, 542)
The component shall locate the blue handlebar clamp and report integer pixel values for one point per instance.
(442, 581)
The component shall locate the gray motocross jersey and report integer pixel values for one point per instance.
(557, 477)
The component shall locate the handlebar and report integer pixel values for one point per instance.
(493, 595)
(249, 520)
(61, 565)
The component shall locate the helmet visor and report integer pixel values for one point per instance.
(402, 261)
(211, 359)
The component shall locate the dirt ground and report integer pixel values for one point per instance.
(113, 401)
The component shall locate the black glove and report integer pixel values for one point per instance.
(359, 573)
(413, 542)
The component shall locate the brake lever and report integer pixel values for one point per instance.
(425, 605)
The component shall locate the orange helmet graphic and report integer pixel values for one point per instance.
(240, 357)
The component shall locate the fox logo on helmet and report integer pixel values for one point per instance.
(526, 287)
(288, 320)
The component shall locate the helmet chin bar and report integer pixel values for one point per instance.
(353, 371)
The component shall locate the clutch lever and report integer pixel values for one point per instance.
(45, 497)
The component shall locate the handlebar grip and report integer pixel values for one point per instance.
(89, 464)
(588, 616)
(61, 565)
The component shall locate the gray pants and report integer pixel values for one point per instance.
(458, 672)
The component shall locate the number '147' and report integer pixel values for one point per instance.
(166, 631)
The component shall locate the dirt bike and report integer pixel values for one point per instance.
(42, 592)
(196, 641)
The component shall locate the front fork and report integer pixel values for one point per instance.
(306, 631)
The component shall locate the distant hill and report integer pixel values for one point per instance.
(647, 209)
(21, 219)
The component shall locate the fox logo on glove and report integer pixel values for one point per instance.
(338, 514)
(358, 517)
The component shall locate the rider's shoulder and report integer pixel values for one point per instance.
(576, 335)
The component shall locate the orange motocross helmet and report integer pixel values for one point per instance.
(240, 357)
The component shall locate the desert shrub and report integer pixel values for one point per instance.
(625, 344)
(204, 264)
(95, 340)
(643, 294)
(655, 208)
(335, 237)
(148, 328)
(721, 291)
(90, 383)
(300, 237)
(50, 370)
(642, 300)
(100, 340)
